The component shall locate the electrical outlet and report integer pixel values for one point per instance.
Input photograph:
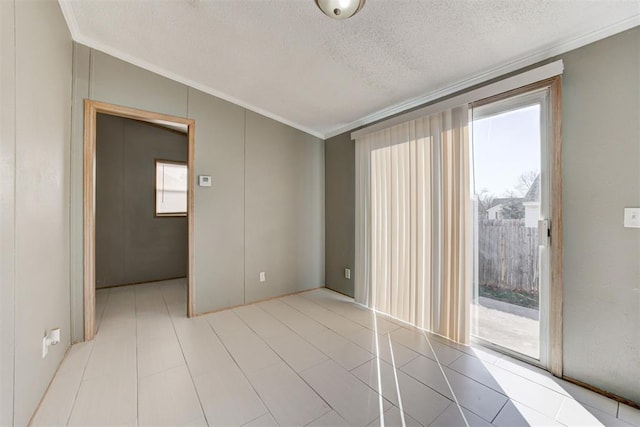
(51, 337)
(347, 273)
(263, 277)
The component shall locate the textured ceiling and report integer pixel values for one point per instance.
(285, 59)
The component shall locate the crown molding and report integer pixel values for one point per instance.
(506, 68)
(525, 60)
(78, 37)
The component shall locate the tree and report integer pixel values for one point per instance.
(485, 201)
(525, 181)
(512, 208)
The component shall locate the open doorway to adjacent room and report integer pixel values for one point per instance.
(138, 201)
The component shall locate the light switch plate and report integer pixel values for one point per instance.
(204, 180)
(632, 217)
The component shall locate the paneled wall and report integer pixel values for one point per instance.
(133, 245)
(264, 211)
(34, 204)
(601, 176)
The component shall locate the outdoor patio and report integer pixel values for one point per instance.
(508, 325)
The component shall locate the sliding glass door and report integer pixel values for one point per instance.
(511, 207)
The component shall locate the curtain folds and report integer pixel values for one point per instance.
(413, 223)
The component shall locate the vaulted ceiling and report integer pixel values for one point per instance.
(288, 61)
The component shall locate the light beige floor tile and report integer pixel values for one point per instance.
(227, 398)
(296, 321)
(330, 419)
(261, 322)
(393, 418)
(478, 398)
(202, 348)
(427, 372)
(452, 417)
(588, 397)
(75, 361)
(366, 339)
(55, 408)
(629, 415)
(264, 421)
(476, 369)
(412, 340)
(158, 354)
(289, 399)
(201, 421)
(573, 413)
(534, 374)
(535, 396)
(320, 314)
(113, 353)
(416, 340)
(515, 414)
(248, 350)
(349, 397)
(168, 398)
(297, 352)
(338, 348)
(418, 400)
(106, 400)
(146, 325)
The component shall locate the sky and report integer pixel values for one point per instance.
(504, 147)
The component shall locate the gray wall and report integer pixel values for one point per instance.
(132, 244)
(265, 210)
(601, 175)
(34, 203)
(340, 200)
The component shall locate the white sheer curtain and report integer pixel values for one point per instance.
(413, 224)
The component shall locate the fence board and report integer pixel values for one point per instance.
(508, 254)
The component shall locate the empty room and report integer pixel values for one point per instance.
(320, 213)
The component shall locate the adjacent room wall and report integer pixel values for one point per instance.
(34, 282)
(340, 200)
(601, 176)
(133, 245)
(264, 211)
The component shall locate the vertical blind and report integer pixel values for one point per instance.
(413, 222)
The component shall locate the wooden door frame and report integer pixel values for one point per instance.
(91, 109)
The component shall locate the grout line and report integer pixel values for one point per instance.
(500, 410)
(283, 360)
(184, 357)
(377, 356)
(93, 345)
(446, 379)
(395, 375)
(241, 370)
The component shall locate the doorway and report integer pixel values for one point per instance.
(92, 109)
(515, 298)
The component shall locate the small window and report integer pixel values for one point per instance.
(171, 188)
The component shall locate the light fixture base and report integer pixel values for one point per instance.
(340, 9)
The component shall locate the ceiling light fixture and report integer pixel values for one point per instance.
(340, 9)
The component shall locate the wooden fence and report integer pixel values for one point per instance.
(508, 254)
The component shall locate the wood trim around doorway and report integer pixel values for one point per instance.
(91, 109)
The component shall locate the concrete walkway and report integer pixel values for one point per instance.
(514, 327)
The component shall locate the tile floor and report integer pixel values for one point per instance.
(308, 359)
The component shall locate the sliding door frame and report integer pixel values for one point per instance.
(91, 109)
(554, 160)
